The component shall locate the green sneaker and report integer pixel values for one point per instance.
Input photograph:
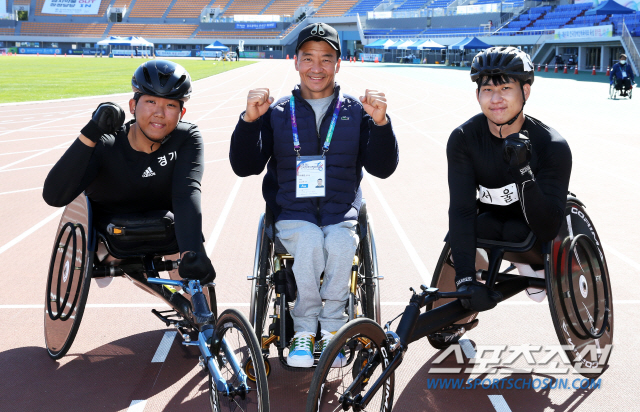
(301, 350)
(341, 359)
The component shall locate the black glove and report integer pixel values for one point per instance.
(197, 266)
(516, 151)
(106, 119)
(482, 298)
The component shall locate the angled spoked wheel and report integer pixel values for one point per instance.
(364, 345)
(239, 359)
(69, 277)
(579, 292)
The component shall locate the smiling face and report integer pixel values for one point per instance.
(156, 116)
(317, 62)
(500, 103)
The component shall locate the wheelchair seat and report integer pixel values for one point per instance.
(138, 234)
(529, 251)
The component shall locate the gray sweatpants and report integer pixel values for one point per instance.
(329, 249)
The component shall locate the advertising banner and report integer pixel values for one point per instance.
(209, 53)
(173, 53)
(71, 6)
(370, 57)
(379, 14)
(87, 52)
(253, 54)
(478, 8)
(582, 32)
(255, 26)
(34, 50)
(256, 17)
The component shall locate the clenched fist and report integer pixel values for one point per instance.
(375, 104)
(258, 102)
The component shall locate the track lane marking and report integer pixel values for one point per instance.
(137, 405)
(211, 242)
(21, 190)
(29, 231)
(164, 347)
(413, 254)
(499, 403)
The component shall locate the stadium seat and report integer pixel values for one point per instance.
(187, 8)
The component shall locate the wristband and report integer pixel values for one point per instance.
(92, 131)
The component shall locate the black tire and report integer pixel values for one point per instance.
(234, 327)
(264, 290)
(444, 280)
(369, 285)
(69, 278)
(328, 384)
(578, 288)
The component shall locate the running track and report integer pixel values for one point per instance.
(115, 363)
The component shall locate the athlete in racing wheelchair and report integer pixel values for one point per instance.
(313, 186)
(508, 202)
(132, 197)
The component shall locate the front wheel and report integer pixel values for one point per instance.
(363, 342)
(238, 346)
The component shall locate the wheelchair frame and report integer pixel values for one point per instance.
(195, 319)
(386, 349)
(614, 93)
(364, 289)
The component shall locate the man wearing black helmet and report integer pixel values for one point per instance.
(508, 173)
(153, 162)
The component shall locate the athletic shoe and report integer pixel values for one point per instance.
(341, 359)
(301, 350)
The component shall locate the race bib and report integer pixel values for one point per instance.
(502, 196)
(310, 176)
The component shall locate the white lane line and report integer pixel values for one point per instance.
(622, 257)
(499, 403)
(21, 190)
(231, 305)
(218, 141)
(24, 168)
(165, 346)
(217, 160)
(137, 406)
(38, 154)
(25, 151)
(467, 347)
(211, 242)
(31, 230)
(413, 254)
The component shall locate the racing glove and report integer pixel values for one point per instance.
(106, 119)
(516, 151)
(197, 266)
(482, 298)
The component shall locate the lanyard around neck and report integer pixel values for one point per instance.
(294, 126)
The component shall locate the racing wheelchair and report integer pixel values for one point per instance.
(273, 282)
(139, 247)
(576, 282)
(615, 92)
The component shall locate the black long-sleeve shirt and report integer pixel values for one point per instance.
(476, 165)
(119, 179)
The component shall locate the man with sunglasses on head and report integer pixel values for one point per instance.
(508, 173)
(315, 133)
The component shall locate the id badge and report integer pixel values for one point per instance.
(624, 75)
(310, 176)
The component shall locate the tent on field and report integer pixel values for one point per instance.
(378, 44)
(609, 7)
(470, 43)
(131, 41)
(217, 46)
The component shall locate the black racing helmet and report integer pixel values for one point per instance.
(502, 61)
(162, 78)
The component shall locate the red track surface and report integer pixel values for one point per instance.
(109, 366)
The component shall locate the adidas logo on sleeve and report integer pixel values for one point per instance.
(148, 172)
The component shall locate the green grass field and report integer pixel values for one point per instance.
(28, 78)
